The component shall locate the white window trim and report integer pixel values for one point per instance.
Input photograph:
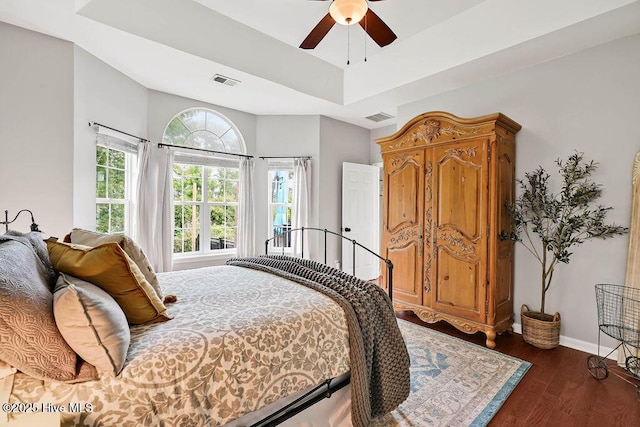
(131, 176)
(188, 157)
(205, 232)
(276, 164)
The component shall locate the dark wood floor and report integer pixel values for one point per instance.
(558, 390)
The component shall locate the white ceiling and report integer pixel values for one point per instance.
(176, 46)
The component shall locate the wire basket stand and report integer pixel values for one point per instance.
(618, 317)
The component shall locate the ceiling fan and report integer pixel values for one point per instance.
(350, 12)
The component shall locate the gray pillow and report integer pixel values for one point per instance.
(29, 338)
(92, 323)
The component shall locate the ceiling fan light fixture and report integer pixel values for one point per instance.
(348, 12)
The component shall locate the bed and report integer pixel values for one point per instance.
(243, 339)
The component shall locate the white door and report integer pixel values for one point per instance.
(361, 218)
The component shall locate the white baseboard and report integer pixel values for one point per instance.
(575, 344)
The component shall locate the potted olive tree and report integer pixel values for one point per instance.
(549, 225)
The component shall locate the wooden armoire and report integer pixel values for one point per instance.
(445, 225)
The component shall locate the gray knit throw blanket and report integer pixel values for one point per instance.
(378, 353)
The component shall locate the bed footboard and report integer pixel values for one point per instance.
(354, 243)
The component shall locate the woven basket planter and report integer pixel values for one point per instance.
(540, 330)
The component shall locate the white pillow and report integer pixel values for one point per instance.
(92, 323)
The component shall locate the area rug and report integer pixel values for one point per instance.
(453, 382)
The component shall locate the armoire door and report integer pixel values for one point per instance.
(502, 277)
(402, 216)
(459, 240)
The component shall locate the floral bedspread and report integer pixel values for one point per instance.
(239, 339)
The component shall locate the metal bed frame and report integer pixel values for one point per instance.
(330, 386)
(354, 244)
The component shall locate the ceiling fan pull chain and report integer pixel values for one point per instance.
(348, 43)
(366, 31)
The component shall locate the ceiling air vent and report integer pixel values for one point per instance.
(379, 117)
(219, 78)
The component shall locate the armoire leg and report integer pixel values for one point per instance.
(491, 339)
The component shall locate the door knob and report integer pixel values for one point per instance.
(347, 229)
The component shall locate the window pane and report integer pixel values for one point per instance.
(230, 215)
(191, 217)
(117, 218)
(233, 173)
(177, 184)
(194, 119)
(191, 240)
(112, 177)
(216, 183)
(101, 182)
(278, 188)
(187, 183)
(116, 159)
(178, 220)
(217, 216)
(230, 238)
(217, 232)
(178, 239)
(176, 132)
(280, 202)
(231, 191)
(203, 129)
(206, 140)
(102, 217)
(186, 229)
(115, 184)
(217, 124)
(281, 221)
(101, 155)
(231, 141)
(290, 187)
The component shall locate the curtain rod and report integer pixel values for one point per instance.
(119, 131)
(169, 145)
(286, 157)
(205, 150)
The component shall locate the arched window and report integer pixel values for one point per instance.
(205, 184)
(207, 129)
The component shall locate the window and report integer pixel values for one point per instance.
(204, 195)
(114, 189)
(205, 186)
(280, 205)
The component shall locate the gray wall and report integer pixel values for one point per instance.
(339, 142)
(330, 143)
(104, 95)
(374, 149)
(36, 129)
(285, 136)
(588, 102)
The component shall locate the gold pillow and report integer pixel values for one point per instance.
(131, 248)
(110, 268)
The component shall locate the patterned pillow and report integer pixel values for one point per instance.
(29, 337)
(110, 268)
(92, 323)
(131, 248)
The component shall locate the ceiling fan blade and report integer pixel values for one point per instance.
(377, 29)
(317, 34)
